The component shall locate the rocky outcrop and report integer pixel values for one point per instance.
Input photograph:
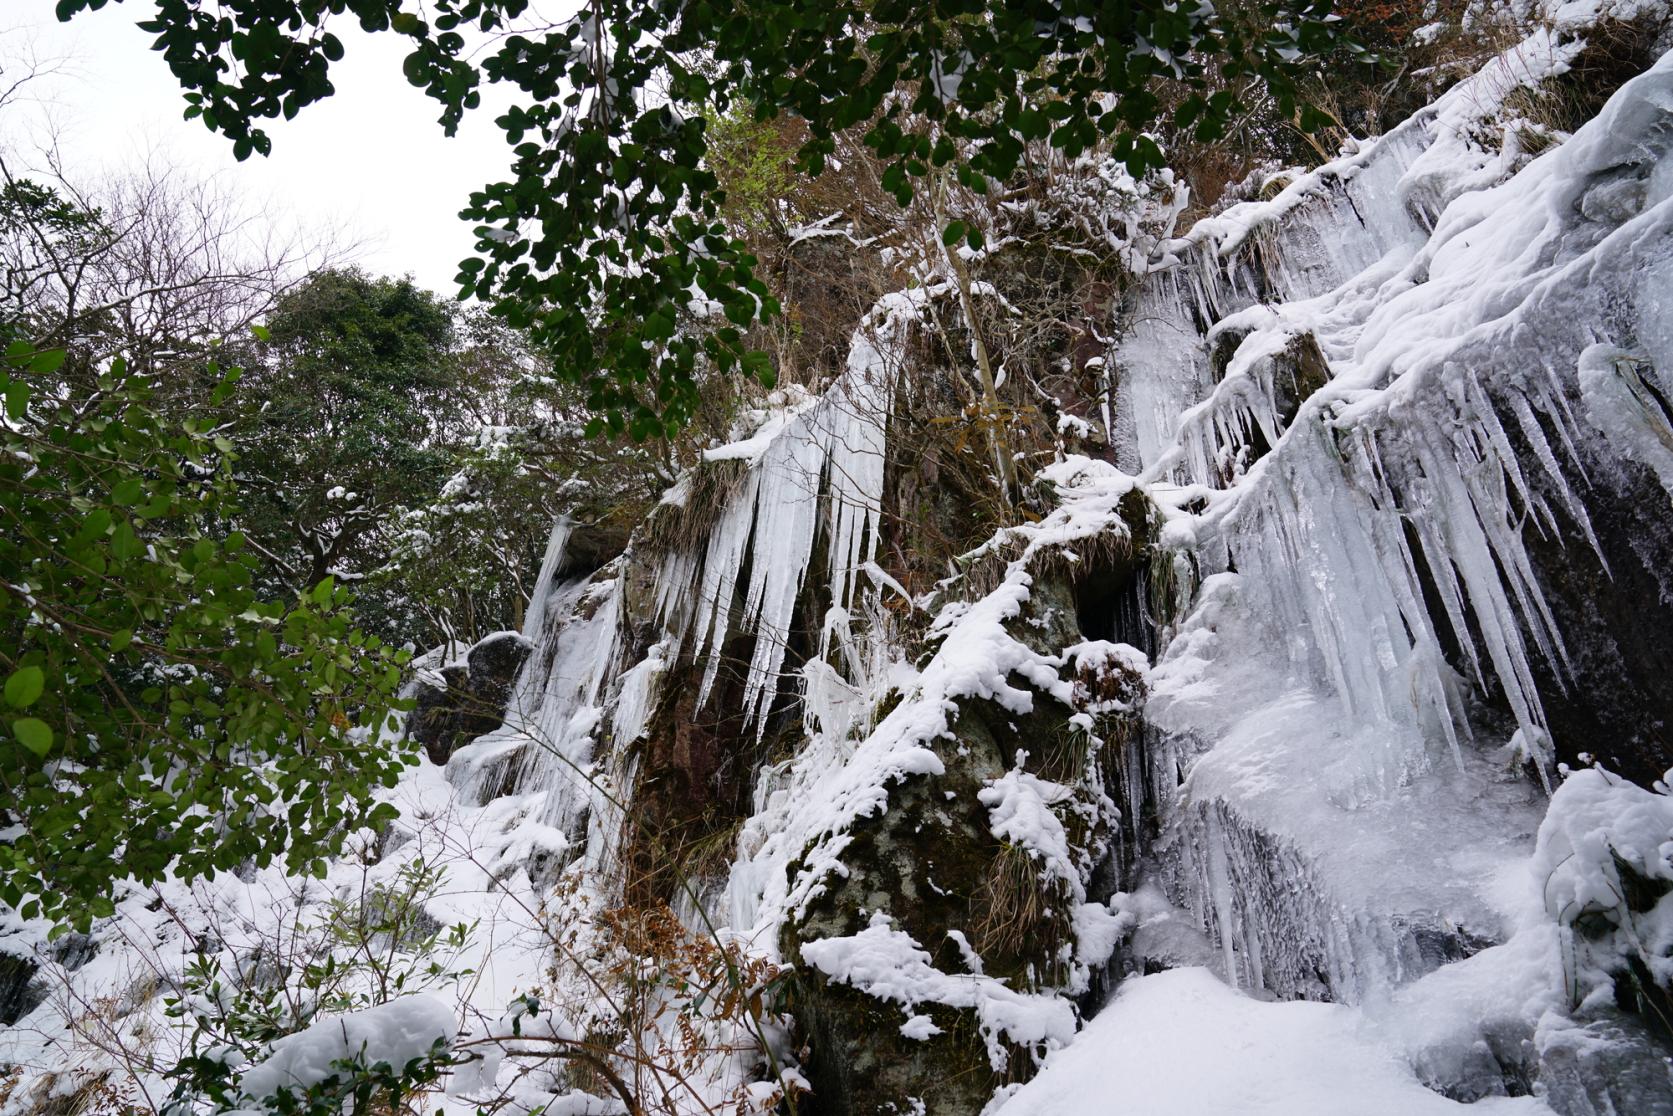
(983, 902)
(20, 992)
(1611, 699)
(466, 698)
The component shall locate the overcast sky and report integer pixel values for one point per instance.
(369, 159)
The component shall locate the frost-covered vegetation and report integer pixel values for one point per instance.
(1179, 638)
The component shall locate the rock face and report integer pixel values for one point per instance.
(1282, 696)
(471, 697)
(20, 992)
(1335, 535)
(946, 866)
(1614, 607)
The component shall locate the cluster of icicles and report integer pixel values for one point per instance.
(1411, 471)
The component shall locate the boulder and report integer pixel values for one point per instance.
(467, 697)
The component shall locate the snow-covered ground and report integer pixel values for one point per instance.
(1183, 1043)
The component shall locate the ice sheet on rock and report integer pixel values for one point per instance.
(1405, 467)
(813, 468)
(1325, 228)
(1544, 1000)
(1181, 1043)
(1161, 367)
(545, 582)
(1324, 859)
(1620, 390)
(538, 774)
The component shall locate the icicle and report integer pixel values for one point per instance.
(534, 622)
(832, 449)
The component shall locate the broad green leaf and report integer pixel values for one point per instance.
(47, 361)
(34, 734)
(128, 491)
(24, 687)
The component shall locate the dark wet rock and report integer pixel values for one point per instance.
(1614, 700)
(74, 950)
(695, 777)
(471, 697)
(20, 991)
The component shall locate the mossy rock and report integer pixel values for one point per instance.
(931, 863)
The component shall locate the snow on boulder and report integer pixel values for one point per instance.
(396, 1033)
(889, 964)
(1604, 860)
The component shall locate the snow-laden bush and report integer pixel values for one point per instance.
(1605, 854)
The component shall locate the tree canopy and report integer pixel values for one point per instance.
(605, 240)
(343, 389)
(159, 713)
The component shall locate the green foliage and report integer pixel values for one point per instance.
(753, 162)
(611, 217)
(468, 558)
(160, 715)
(349, 388)
(26, 203)
(360, 952)
(39, 228)
(357, 1086)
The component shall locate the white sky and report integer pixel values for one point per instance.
(369, 160)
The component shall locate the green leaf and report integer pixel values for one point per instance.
(759, 366)
(17, 399)
(261, 332)
(321, 594)
(34, 734)
(47, 361)
(24, 687)
(128, 491)
(953, 233)
(124, 543)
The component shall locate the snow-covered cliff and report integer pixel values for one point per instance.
(1297, 751)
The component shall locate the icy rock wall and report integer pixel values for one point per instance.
(1365, 397)
(735, 567)
(1323, 228)
(1434, 552)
